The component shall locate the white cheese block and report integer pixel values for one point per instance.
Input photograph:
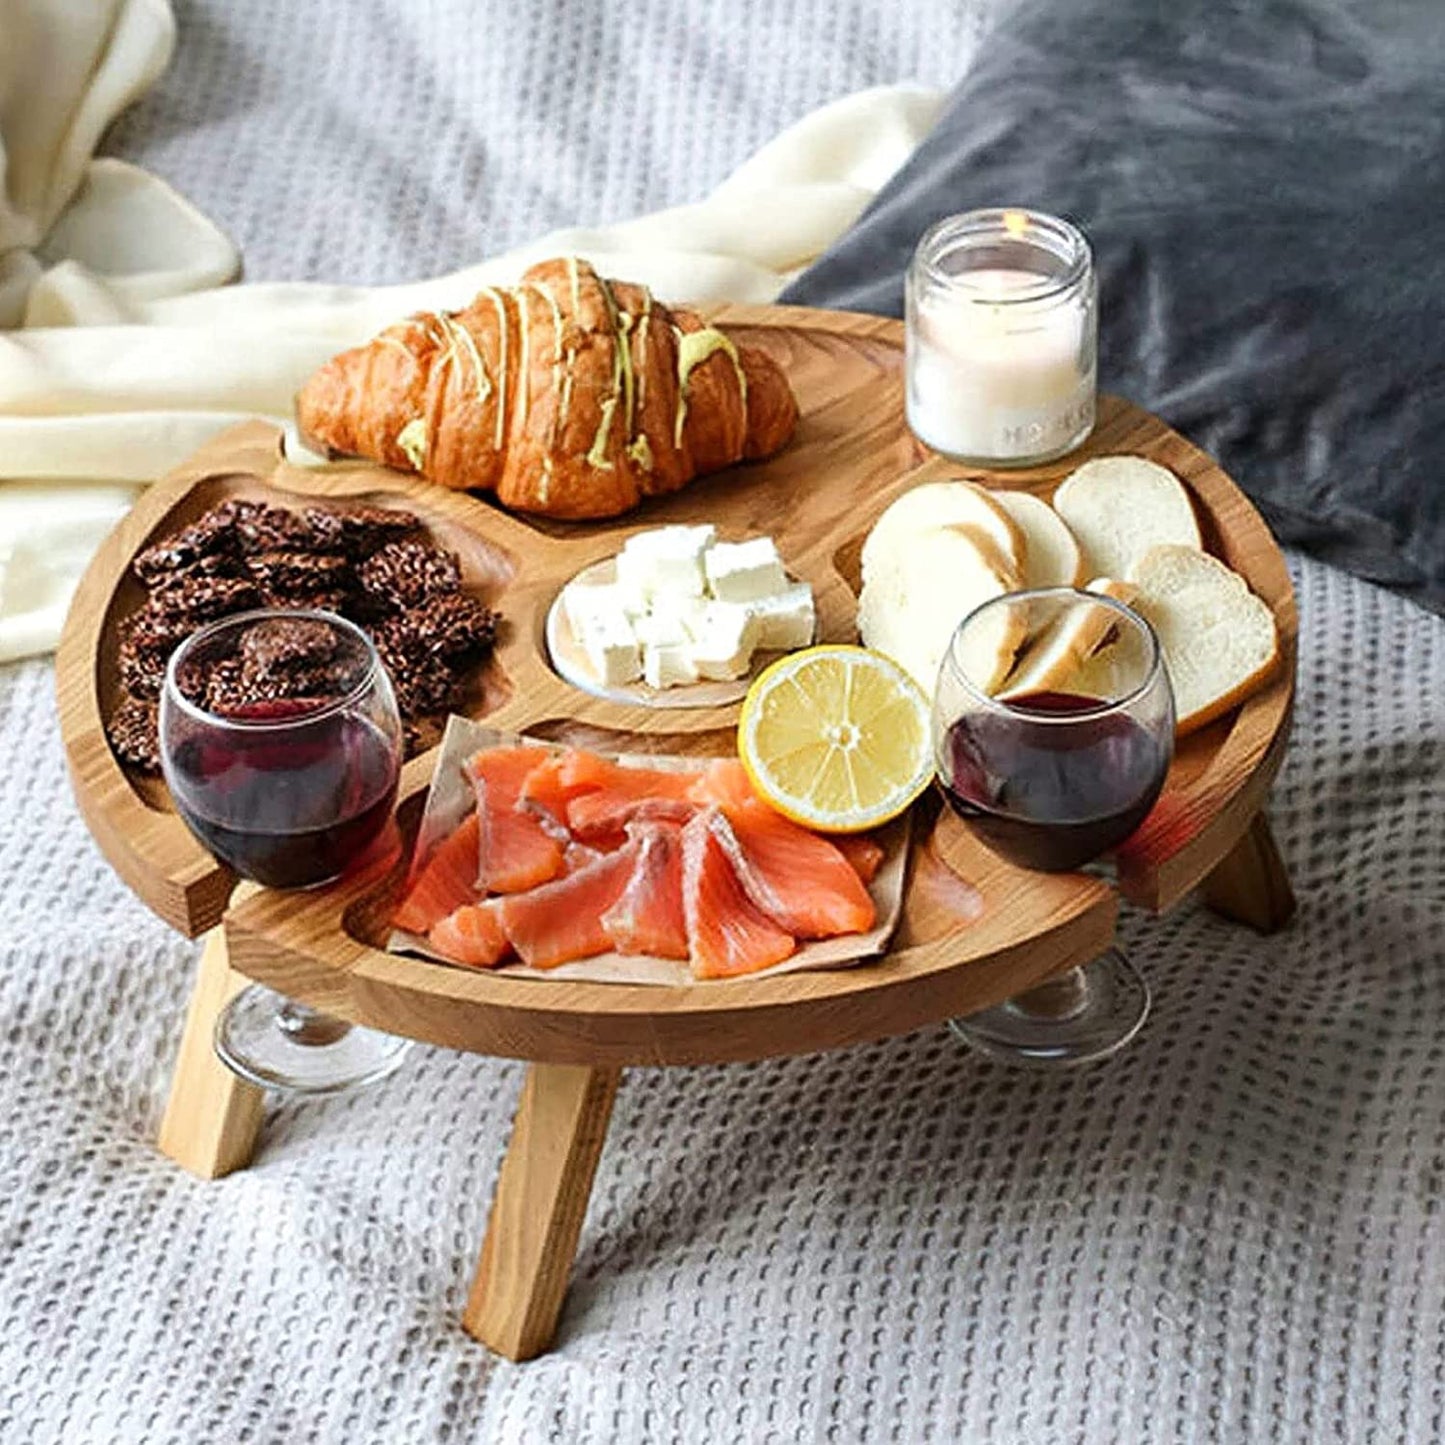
(668, 665)
(593, 606)
(582, 599)
(686, 607)
(786, 620)
(662, 627)
(665, 562)
(695, 614)
(631, 591)
(606, 635)
(745, 571)
(724, 640)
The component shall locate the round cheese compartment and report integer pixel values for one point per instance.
(675, 644)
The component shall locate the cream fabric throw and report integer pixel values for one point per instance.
(123, 350)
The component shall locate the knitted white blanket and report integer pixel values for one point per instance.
(1231, 1232)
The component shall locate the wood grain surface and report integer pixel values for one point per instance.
(1250, 884)
(538, 1208)
(975, 931)
(213, 1116)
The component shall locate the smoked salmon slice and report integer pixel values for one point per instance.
(446, 881)
(563, 777)
(606, 815)
(648, 917)
(584, 856)
(473, 935)
(799, 879)
(725, 782)
(726, 935)
(554, 782)
(516, 849)
(562, 920)
(580, 771)
(865, 854)
(578, 856)
(506, 769)
(619, 795)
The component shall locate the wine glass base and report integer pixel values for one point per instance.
(270, 1041)
(1079, 1018)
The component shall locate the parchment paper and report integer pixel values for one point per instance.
(450, 799)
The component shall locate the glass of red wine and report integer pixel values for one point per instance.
(281, 746)
(1053, 767)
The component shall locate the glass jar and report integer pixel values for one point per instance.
(1002, 338)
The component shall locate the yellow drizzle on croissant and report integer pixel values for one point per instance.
(613, 396)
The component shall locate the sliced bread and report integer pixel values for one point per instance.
(1119, 507)
(941, 504)
(1051, 555)
(914, 597)
(1049, 661)
(1114, 669)
(1219, 639)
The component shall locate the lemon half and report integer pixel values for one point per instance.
(836, 738)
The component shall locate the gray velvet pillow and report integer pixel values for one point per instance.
(1264, 186)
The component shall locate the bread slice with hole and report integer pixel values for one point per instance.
(1114, 669)
(944, 504)
(1119, 507)
(1051, 555)
(1219, 640)
(1049, 661)
(917, 592)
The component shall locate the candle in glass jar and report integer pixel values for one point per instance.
(1001, 338)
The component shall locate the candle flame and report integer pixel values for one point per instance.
(1015, 222)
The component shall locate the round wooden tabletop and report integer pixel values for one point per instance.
(974, 930)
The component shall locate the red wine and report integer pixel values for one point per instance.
(1047, 795)
(288, 808)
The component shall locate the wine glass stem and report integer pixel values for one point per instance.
(1061, 998)
(303, 1025)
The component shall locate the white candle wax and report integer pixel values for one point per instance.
(994, 378)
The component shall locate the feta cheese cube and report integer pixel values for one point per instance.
(668, 665)
(787, 620)
(631, 594)
(661, 628)
(614, 661)
(691, 612)
(723, 644)
(745, 571)
(667, 561)
(581, 600)
(604, 632)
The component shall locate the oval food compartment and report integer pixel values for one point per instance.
(679, 619)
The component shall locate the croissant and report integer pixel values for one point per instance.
(567, 395)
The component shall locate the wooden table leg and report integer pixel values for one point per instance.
(212, 1117)
(537, 1211)
(1250, 884)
